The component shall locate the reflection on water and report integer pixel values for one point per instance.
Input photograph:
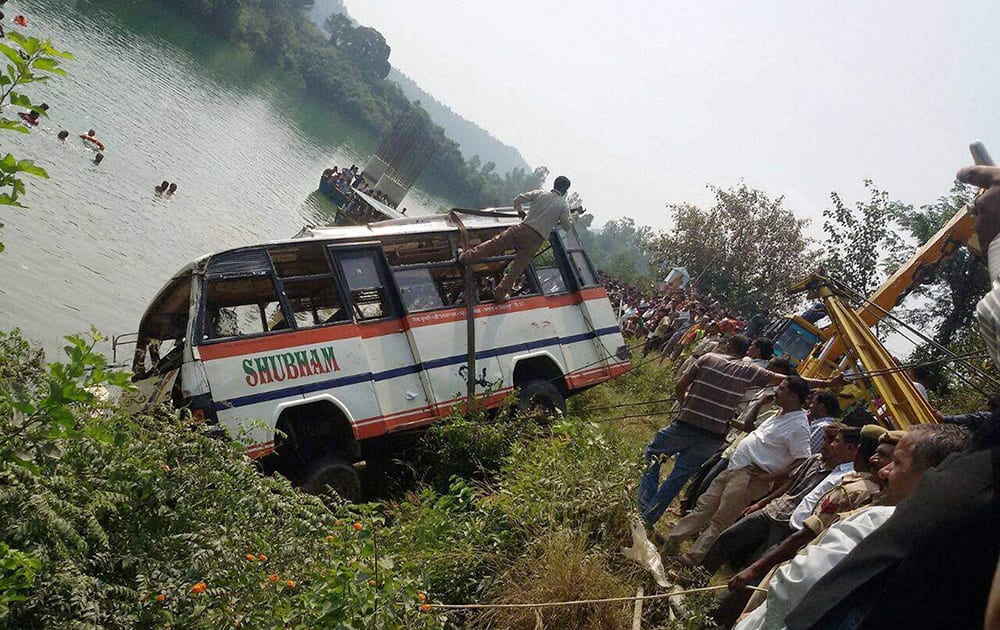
(96, 242)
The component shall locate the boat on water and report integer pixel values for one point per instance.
(374, 193)
(356, 205)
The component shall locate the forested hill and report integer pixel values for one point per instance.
(471, 139)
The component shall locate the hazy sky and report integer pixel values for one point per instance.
(645, 103)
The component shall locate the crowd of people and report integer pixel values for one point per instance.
(824, 518)
(347, 182)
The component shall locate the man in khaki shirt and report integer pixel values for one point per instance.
(547, 209)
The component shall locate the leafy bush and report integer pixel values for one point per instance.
(471, 445)
(118, 521)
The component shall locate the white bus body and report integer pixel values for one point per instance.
(316, 346)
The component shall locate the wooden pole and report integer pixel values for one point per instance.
(470, 315)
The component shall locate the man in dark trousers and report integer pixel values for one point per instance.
(547, 209)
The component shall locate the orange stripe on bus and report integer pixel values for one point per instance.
(312, 336)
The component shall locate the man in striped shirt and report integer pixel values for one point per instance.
(708, 394)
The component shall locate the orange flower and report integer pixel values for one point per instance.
(161, 598)
(425, 607)
(165, 468)
(290, 583)
(421, 597)
(371, 582)
(199, 588)
(250, 557)
(329, 538)
(262, 558)
(358, 527)
(273, 578)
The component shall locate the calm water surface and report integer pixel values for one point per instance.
(170, 103)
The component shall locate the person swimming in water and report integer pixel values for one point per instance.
(91, 137)
(98, 158)
(172, 190)
(161, 187)
(63, 135)
(31, 117)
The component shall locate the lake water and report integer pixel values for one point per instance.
(170, 103)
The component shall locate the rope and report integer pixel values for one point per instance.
(903, 368)
(638, 415)
(894, 318)
(582, 602)
(648, 402)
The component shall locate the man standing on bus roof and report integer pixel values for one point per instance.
(525, 238)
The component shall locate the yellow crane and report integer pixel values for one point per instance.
(848, 344)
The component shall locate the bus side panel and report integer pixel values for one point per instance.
(520, 326)
(250, 379)
(401, 397)
(589, 350)
(440, 339)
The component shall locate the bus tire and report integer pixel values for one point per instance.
(540, 395)
(336, 474)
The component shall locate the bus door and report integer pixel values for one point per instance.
(591, 336)
(433, 291)
(382, 344)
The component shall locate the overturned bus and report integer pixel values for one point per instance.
(318, 346)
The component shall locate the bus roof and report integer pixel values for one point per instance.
(373, 232)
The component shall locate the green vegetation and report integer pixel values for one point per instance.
(747, 247)
(29, 60)
(346, 66)
(122, 521)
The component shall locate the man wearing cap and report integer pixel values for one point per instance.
(922, 448)
(547, 209)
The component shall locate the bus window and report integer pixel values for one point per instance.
(162, 330)
(420, 289)
(315, 302)
(417, 249)
(365, 285)
(239, 307)
(581, 264)
(583, 271)
(549, 274)
(309, 285)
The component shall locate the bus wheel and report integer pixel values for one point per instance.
(540, 399)
(333, 474)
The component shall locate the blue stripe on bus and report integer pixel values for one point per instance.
(354, 379)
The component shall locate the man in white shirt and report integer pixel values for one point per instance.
(525, 238)
(768, 454)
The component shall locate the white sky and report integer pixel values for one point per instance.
(644, 103)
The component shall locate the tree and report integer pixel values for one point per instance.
(952, 289)
(364, 46)
(746, 249)
(859, 238)
(31, 60)
(617, 248)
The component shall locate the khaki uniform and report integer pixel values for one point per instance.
(853, 491)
